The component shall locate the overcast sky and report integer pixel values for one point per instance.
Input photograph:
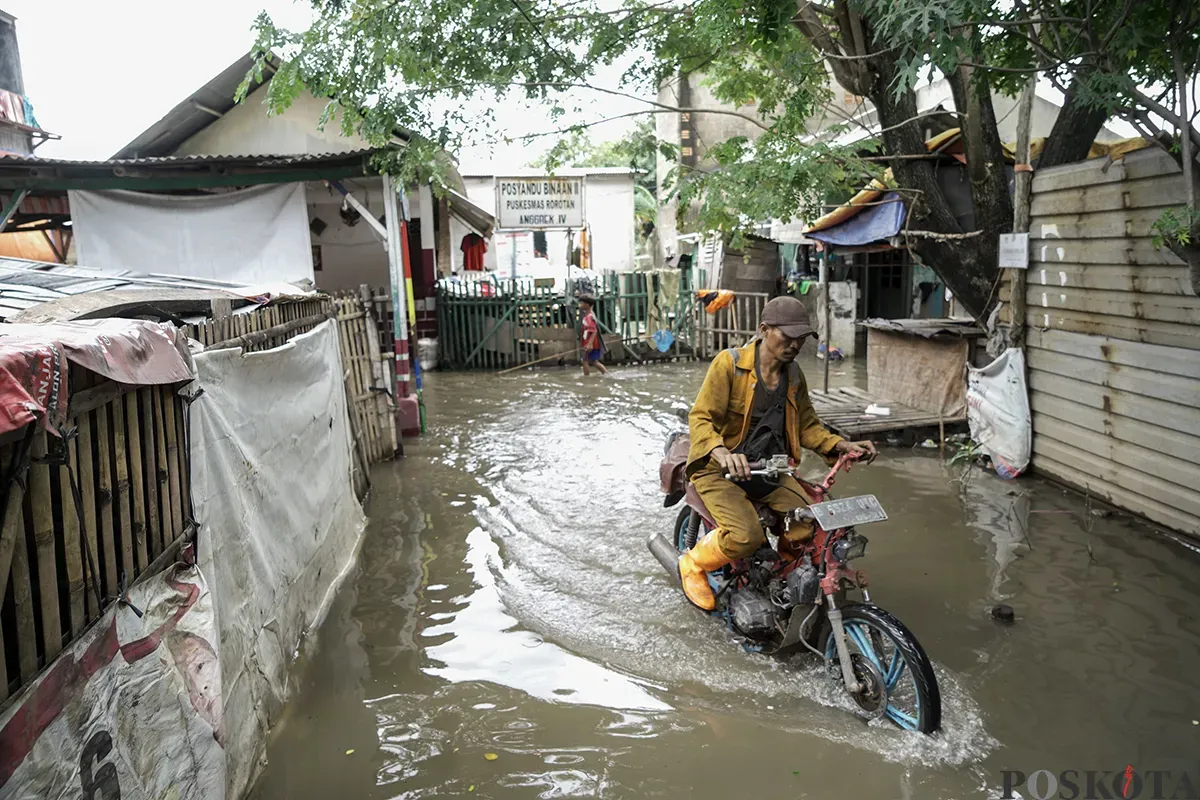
(99, 73)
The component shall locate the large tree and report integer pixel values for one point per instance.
(411, 64)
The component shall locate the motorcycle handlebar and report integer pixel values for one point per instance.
(756, 468)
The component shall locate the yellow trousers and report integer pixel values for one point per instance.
(741, 533)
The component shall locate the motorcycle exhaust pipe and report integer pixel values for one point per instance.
(665, 552)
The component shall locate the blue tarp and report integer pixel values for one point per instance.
(872, 224)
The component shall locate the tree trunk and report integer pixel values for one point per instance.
(968, 267)
(1074, 131)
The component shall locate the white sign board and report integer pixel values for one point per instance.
(539, 203)
(1014, 251)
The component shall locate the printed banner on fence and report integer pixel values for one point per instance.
(33, 363)
(132, 710)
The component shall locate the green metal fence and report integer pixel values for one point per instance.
(506, 323)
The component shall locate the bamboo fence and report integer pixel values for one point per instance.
(67, 555)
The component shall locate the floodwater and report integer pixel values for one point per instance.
(508, 635)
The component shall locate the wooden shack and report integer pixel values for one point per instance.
(916, 370)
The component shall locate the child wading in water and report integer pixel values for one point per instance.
(591, 344)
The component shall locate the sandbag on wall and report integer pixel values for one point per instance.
(998, 412)
(271, 460)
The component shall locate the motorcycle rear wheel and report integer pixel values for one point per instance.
(914, 700)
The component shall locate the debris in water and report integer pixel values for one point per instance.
(1003, 613)
(490, 756)
(350, 752)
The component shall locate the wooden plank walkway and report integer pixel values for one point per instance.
(843, 410)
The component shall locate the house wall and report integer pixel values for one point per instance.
(608, 203)
(246, 129)
(482, 192)
(10, 56)
(350, 255)
(705, 130)
(1113, 341)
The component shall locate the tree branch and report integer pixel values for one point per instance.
(1116, 26)
(941, 237)
(628, 115)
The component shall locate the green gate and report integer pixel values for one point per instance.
(505, 323)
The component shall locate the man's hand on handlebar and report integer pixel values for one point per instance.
(735, 465)
(865, 451)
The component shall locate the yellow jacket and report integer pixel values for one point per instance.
(721, 413)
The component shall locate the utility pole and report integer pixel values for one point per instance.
(824, 310)
(1023, 178)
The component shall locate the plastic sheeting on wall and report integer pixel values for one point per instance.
(998, 412)
(132, 710)
(271, 482)
(33, 363)
(253, 235)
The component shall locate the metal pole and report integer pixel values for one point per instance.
(396, 249)
(824, 265)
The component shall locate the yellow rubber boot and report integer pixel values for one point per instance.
(694, 566)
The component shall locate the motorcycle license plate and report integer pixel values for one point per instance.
(848, 511)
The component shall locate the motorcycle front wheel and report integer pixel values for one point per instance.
(893, 662)
(679, 535)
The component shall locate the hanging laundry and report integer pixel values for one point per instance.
(714, 299)
(473, 247)
(585, 261)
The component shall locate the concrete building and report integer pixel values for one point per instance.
(608, 199)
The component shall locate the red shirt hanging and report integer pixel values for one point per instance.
(473, 247)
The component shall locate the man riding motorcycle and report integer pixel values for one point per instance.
(754, 404)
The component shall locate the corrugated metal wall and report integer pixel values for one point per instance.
(1114, 339)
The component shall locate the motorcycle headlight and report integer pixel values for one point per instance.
(852, 545)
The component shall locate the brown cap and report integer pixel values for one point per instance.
(789, 315)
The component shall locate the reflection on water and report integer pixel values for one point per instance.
(506, 605)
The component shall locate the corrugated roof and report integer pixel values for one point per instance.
(193, 114)
(272, 160)
(24, 284)
(197, 111)
(178, 172)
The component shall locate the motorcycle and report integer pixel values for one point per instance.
(782, 600)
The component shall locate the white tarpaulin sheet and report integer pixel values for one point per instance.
(280, 524)
(132, 710)
(998, 412)
(255, 235)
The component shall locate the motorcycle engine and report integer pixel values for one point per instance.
(753, 614)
